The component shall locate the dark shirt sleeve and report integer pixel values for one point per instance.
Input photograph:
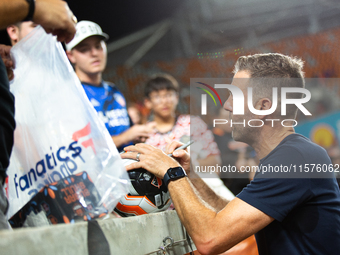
(7, 122)
(277, 197)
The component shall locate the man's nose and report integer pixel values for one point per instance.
(228, 105)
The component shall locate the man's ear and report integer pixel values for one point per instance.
(13, 33)
(148, 103)
(70, 56)
(263, 104)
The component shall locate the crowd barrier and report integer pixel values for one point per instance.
(146, 234)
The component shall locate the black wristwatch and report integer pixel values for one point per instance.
(174, 174)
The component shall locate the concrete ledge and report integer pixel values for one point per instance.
(130, 236)
(52, 240)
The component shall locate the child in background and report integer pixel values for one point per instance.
(161, 97)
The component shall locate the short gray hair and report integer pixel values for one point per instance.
(273, 65)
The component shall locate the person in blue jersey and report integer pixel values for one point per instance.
(294, 211)
(87, 52)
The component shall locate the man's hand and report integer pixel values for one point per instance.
(6, 58)
(151, 159)
(55, 17)
(181, 156)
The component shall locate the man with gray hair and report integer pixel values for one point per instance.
(293, 212)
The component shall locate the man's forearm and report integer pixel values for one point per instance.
(208, 195)
(193, 213)
(12, 11)
(212, 232)
(204, 191)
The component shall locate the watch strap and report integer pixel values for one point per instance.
(31, 9)
(173, 174)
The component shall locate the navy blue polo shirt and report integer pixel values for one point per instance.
(306, 209)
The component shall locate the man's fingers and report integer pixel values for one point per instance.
(128, 155)
(173, 146)
(145, 146)
(10, 74)
(5, 50)
(69, 37)
(48, 31)
(132, 155)
(134, 165)
(168, 142)
(139, 147)
(8, 63)
(180, 154)
(129, 148)
(5, 55)
(61, 35)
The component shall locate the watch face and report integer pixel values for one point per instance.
(176, 172)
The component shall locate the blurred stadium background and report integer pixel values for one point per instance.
(204, 39)
(200, 38)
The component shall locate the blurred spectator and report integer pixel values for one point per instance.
(19, 30)
(87, 52)
(161, 97)
(134, 113)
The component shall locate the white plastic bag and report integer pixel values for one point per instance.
(58, 132)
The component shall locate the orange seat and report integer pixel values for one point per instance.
(246, 247)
